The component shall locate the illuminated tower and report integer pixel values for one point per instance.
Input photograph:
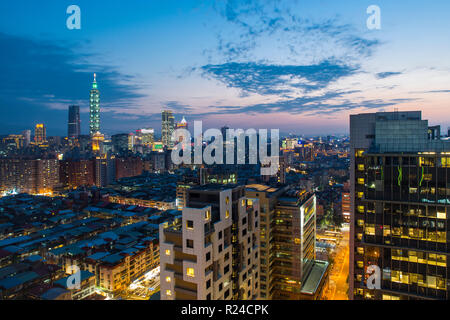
(94, 108)
(39, 134)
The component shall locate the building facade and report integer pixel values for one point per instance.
(94, 108)
(74, 123)
(167, 128)
(400, 201)
(212, 251)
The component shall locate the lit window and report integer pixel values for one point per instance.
(167, 252)
(360, 167)
(190, 272)
(243, 202)
(168, 279)
(359, 153)
(207, 215)
(361, 209)
(227, 200)
(227, 214)
(297, 241)
(190, 224)
(361, 181)
(441, 215)
(360, 195)
(168, 292)
(360, 250)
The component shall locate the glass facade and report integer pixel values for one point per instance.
(401, 224)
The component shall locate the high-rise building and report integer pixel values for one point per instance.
(400, 208)
(39, 134)
(73, 128)
(289, 269)
(212, 252)
(94, 108)
(346, 203)
(27, 137)
(120, 143)
(167, 128)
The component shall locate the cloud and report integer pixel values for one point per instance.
(278, 79)
(327, 103)
(384, 75)
(250, 24)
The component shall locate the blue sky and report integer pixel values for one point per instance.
(301, 66)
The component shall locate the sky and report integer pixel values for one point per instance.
(295, 65)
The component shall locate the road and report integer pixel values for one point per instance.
(338, 286)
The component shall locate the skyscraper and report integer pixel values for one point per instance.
(73, 128)
(400, 204)
(94, 108)
(39, 134)
(167, 128)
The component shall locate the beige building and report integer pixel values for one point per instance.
(212, 252)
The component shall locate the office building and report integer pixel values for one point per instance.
(212, 251)
(74, 124)
(400, 201)
(94, 108)
(167, 128)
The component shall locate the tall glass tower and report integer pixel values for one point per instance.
(94, 108)
(167, 128)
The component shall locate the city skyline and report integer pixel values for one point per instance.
(297, 66)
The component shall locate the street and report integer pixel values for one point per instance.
(338, 285)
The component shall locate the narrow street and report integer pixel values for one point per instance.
(338, 285)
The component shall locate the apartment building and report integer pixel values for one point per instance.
(289, 269)
(212, 251)
(400, 202)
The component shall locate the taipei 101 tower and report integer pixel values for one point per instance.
(94, 108)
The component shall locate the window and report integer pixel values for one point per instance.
(208, 284)
(244, 220)
(227, 214)
(360, 195)
(227, 256)
(361, 181)
(226, 269)
(207, 215)
(168, 293)
(208, 256)
(167, 252)
(244, 232)
(190, 272)
(227, 293)
(190, 224)
(208, 296)
(168, 279)
(190, 243)
(227, 200)
(220, 248)
(220, 235)
(220, 287)
(360, 167)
